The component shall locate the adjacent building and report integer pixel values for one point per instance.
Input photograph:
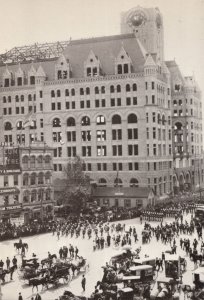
(26, 189)
(111, 100)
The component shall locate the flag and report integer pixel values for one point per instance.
(28, 121)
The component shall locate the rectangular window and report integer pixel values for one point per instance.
(112, 101)
(101, 135)
(134, 100)
(128, 101)
(6, 182)
(132, 150)
(96, 103)
(67, 105)
(101, 151)
(154, 149)
(17, 110)
(114, 167)
(147, 133)
(15, 179)
(41, 123)
(154, 133)
(104, 167)
(103, 102)
(53, 106)
(10, 110)
(148, 150)
(153, 117)
(73, 104)
(89, 167)
(42, 137)
(146, 85)
(152, 85)
(98, 167)
(153, 99)
(118, 101)
(86, 151)
(146, 97)
(136, 166)
(147, 117)
(88, 104)
(41, 106)
(120, 166)
(130, 166)
(41, 94)
(58, 105)
(81, 104)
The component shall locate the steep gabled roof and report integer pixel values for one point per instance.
(106, 49)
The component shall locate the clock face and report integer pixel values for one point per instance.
(136, 19)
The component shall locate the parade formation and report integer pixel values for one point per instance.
(150, 257)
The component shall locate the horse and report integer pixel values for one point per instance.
(9, 271)
(38, 281)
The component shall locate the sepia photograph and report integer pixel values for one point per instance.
(101, 150)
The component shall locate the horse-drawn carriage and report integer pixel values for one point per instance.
(172, 266)
(166, 289)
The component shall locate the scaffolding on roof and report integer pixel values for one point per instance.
(33, 52)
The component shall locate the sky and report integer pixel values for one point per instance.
(25, 22)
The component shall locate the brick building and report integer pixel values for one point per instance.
(106, 99)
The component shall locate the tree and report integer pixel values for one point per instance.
(77, 190)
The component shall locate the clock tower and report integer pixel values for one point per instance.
(147, 24)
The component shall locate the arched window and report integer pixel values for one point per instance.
(132, 118)
(103, 90)
(158, 118)
(116, 119)
(26, 196)
(40, 194)
(4, 99)
(25, 162)
(48, 195)
(112, 89)
(71, 122)
(40, 161)
(58, 93)
(134, 182)
(100, 120)
(73, 92)
(118, 88)
(163, 120)
(102, 182)
(85, 121)
(134, 87)
(32, 161)
(47, 161)
(52, 93)
(40, 178)
(17, 98)
(127, 88)
(33, 195)
(48, 178)
(25, 179)
(87, 91)
(67, 93)
(56, 122)
(33, 179)
(81, 91)
(7, 126)
(22, 98)
(126, 68)
(19, 125)
(118, 182)
(29, 97)
(96, 90)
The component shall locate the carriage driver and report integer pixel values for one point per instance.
(20, 241)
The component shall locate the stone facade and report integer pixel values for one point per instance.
(108, 100)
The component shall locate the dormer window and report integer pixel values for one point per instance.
(92, 65)
(123, 62)
(177, 87)
(62, 68)
(19, 81)
(6, 82)
(32, 79)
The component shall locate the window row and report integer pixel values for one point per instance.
(156, 117)
(100, 120)
(133, 150)
(20, 98)
(97, 90)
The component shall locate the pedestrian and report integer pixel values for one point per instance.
(20, 296)
(8, 263)
(14, 261)
(38, 297)
(83, 283)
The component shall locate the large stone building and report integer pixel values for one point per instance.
(107, 99)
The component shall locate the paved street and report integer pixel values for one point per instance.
(41, 244)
